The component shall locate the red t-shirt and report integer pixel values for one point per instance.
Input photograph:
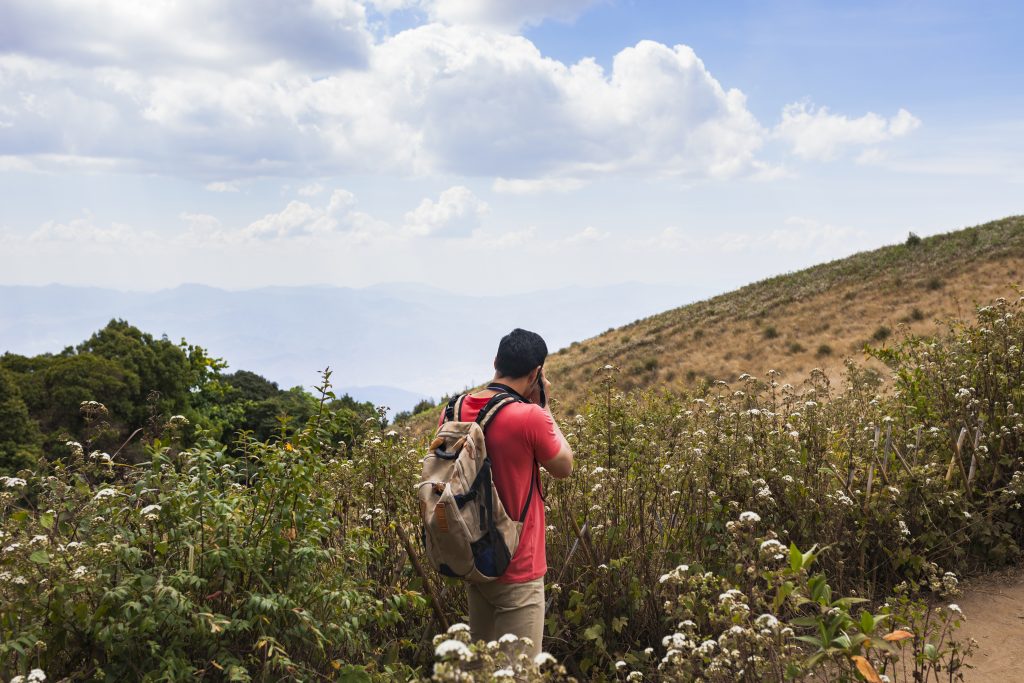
(517, 436)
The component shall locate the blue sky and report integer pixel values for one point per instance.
(247, 143)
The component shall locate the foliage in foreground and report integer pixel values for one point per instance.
(749, 531)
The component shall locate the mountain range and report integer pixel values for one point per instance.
(392, 344)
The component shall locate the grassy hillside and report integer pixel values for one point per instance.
(814, 318)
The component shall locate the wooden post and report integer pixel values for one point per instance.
(974, 459)
(917, 447)
(956, 454)
(871, 466)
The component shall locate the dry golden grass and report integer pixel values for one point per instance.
(814, 318)
(842, 305)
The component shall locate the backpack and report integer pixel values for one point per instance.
(466, 530)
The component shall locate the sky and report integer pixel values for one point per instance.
(475, 145)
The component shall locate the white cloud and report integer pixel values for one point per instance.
(587, 235)
(340, 202)
(223, 186)
(456, 213)
(311, 190)
(815, 133)
(798, 234)
(536, 186)
(504, 239)
(297, 219)
(317, 34)
(436, 98)
(84, 230)
(505, 14)
(245, 88)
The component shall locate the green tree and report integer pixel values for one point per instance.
(70, 380)
(19, 436)
(160, 366)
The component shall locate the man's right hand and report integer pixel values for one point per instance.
(534, 395)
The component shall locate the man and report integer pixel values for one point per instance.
(519, 438)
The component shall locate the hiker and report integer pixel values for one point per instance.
(521, 437)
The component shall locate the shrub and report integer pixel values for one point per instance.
(682, 526)
(933, 284)
(254, 566)
(913, 240)
(795, 347)
(916, 314)
(770, 332)
(881, 334)
(823, 350)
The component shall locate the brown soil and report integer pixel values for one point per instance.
(994, 609)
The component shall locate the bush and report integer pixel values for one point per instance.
(251, 567)
(693, 528)
(881, 334)
(795, 347)
(933, 284)
(823, 350)
(913, 240)
(770, 332)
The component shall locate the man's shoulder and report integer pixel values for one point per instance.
(526, 413)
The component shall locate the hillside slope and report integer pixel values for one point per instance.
(812, 318)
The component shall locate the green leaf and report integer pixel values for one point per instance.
(594, 632)
(46, 520)
(867, 622)
(40, 557)
(796, 558)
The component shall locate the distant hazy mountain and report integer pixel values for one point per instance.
(392, 344)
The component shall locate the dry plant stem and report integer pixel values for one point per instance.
(435, 601)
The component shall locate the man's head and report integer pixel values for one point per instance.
(520, 352)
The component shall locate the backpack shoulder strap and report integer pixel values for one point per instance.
(493, 407)
(486, 414)
(453, 411)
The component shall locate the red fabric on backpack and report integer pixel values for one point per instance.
(516, 436)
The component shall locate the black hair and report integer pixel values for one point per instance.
(519, 352)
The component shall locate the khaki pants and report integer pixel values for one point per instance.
(499, 608)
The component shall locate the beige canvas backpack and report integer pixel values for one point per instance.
(466, 530)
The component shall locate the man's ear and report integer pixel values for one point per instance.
(534, 374)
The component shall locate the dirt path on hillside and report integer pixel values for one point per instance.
(994, 607)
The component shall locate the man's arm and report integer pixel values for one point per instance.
(559, 466)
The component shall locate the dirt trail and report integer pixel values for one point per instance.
(994, 607)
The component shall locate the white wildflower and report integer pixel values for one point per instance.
(508, 638)
(13, 482)
(621, 665)
(544, 658)
(749, 517)
(458, 628)
(36, 676)
(504, 673)
(105, 493)
(150, 509)
(448, 648)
